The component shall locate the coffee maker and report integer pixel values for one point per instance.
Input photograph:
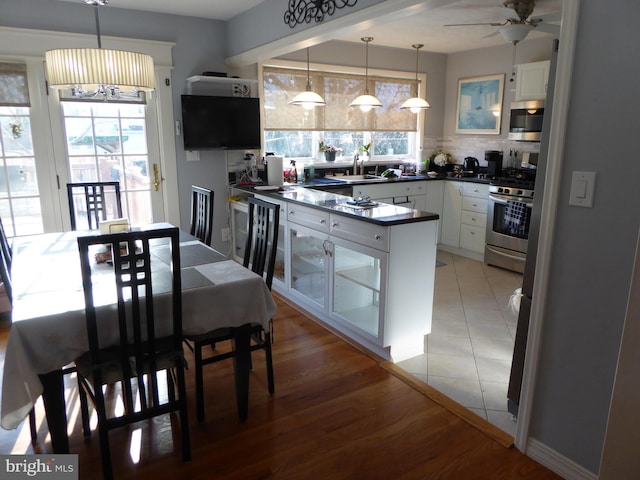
(494, 163)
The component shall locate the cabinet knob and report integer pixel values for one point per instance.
(377, 237)
(334, 224)
(323, 221)
(291, 212)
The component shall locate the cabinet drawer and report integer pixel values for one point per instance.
(474, 218)
(474, 204)
(470, 189)
(310, 217)
(375, 236)
(472, 238)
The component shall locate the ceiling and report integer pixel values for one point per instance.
(426, 27)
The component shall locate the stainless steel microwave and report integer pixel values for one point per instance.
(525, 122)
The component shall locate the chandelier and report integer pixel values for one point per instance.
(91, 72)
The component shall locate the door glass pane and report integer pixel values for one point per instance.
(108, 142)
(308, 265)
(19, 194)
(356, 289)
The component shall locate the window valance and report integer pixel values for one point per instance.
(14, 87)
(281, 85)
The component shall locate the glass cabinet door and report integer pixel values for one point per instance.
(308, 263)
(357, 283)
(278, 269)
(239, 223)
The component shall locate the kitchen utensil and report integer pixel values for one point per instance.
(471, 164)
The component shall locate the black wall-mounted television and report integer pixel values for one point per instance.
(223, 123)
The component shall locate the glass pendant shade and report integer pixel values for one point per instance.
(91, 68)
(308, 99)
(415, 104)
(366, 102)
(515, 32)
(91, 71)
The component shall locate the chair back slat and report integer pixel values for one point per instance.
(262, 238)
(94, 198)
(202, 213)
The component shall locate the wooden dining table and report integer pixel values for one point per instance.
(48, 329)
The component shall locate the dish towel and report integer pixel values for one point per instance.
(516, 215)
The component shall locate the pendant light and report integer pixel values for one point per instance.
(366, 102)
(415, 104)
(97, 71)
(308, 99)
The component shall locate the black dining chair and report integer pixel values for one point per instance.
(146, 339)
(95, 199)
(259, 256)
(201, 213)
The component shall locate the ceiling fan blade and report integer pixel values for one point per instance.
(441, 3)
(470, 24)
(492, 34)
(506, 12)
(548, 17)
(548, 28)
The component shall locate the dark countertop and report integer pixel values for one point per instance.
(381, 214)
(333, 181)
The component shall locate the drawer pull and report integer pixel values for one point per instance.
(377, 237)
(334, 224)
(323, 221)
(291, 212)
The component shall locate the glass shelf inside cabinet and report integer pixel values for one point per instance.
(308, 261)
(356, 289)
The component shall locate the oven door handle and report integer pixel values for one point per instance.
(503, 199)
(502, 252)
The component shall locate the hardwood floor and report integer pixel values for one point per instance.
(338, 413)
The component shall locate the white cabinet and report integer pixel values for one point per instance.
(464, 217)
(435, 201)
(410, 194)
(473, 216)
(532, 80)
(451, 212)
(364, 279)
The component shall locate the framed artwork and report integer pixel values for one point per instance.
(480, 104)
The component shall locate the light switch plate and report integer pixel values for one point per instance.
(583, 185)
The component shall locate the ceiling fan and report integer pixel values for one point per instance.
(519, 21)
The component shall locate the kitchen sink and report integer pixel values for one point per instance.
(360, 178)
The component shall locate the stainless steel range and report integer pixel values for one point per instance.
(508, 218)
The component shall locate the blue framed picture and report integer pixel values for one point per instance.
(480, 104)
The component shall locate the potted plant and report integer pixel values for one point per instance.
(329, 151)
(364, 149)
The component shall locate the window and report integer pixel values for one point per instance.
(108, 142)
(19, 195)
(296, 133)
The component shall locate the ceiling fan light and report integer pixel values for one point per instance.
(415, 104)
(308, 100)
(515, 32)
(366, 102)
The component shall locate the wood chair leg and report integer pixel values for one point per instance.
(269, 361)
(32, 426)
(242, 367)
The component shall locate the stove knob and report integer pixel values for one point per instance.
(506, 191)
(520, 193)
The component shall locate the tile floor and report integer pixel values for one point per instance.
(468, 353)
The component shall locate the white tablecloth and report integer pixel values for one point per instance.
(48, 329)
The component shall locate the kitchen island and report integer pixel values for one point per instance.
(366, 270)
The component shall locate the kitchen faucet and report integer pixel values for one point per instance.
(356, 158)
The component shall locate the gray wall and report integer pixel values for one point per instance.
(594, 248)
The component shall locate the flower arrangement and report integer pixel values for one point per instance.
(323, 147)
(440, 158)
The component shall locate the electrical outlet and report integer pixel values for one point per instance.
(226, 234)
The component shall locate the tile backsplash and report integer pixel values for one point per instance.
(461, 146)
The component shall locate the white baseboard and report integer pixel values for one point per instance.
(557, 463)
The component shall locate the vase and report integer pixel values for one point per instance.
(330, 156)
